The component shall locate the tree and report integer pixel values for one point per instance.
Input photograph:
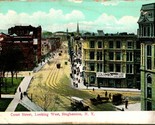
(12, 59)
(46, 34)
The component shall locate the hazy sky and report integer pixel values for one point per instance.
(55, 15)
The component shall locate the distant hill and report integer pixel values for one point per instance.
(46, 34)
(3, 31)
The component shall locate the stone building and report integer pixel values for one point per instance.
(146, 35)
(112, 60)
(55, 43)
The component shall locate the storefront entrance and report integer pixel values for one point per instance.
(115, 83)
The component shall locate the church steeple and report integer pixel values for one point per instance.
(77, 29)
(67, 31)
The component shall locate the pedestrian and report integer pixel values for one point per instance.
(19, 89)
(79, 81)
(87, 86)
(109, 95)
(122, 109)
(74, 83)
(106, 93)
(93, 89)
(98, 97)
(126, 103)
(25, 93)
(21, 96)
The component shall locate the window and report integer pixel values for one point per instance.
(137, 44)
(99, 55)
(149, 92)
(118, 68)
(92, 55)
(129, 45)
(149, 50)
(118, 55)
(148, 29)
(149, 63)
(149, 106)
(144, 31)
(118, 44)
(92, 44)
(137, 57)
(99, 67)
(92, 67)
(111, 55)
(142, 56)
(92, 79)
(129, 56)
(111, 67)
(129, 68)
(99, 44)
(149, 79)
(150, 14)
(111, 44)
(137, 68)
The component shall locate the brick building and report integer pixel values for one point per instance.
(28, 39)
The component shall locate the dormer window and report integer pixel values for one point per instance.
(150, 14)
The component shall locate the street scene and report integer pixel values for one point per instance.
(49, 88)
(57, 57)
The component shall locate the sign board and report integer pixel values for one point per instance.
(35, 41)
(110, 75)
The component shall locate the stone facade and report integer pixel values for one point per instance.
(146, 35)
(112, 60)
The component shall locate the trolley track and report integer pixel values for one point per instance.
(52, 80)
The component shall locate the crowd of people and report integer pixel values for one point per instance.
(77, 68)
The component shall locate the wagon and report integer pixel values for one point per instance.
(117, 99)
(77, 104)
(58, 65)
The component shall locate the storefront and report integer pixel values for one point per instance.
(111, 79)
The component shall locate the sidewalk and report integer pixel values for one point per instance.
(131, 107)
(40, 65)
(80, 84)
(7, 96)
(27, 103)
(12, 106)
(24, 85)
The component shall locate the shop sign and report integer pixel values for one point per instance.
(110, 75)
(35, 41)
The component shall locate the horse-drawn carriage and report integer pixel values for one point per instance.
(77, 104)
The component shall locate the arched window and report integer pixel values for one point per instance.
(149, 79)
